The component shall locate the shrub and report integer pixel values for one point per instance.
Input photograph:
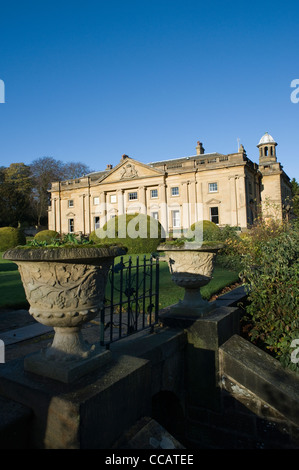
(46, 236)
(139, 233)
(271, 269)
(204, 230)
(230, 255)
(11, 237)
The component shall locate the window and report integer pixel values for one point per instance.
(154, 193)
(213, 187)
(71, 225)
(113, 198)
(214, 215)
(175, 191)
(96, 201)
(71, 202)
(133, 196)
(96, 222)
(176, 219)
(155, 215)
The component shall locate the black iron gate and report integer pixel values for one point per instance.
(131, 302)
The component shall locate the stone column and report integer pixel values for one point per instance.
(142, 198)
(199, 195)
(103, 209)
(120, 201)
(54, 222)
(233, 200)
(186, 215)
(242, 206)
(163, 207)
(83, 212)
(192, 201)
(59, 214)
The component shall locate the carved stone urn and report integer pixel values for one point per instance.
(191, 266)
(65, 288)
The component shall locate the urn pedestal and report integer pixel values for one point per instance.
(65, 288)
(191, 267)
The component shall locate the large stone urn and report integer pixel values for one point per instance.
(65, 288)
(191, 266)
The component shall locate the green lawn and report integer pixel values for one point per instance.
(11, 288)
(12, 291)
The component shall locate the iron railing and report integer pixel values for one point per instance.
(131, 302)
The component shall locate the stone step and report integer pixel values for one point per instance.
(26, 332)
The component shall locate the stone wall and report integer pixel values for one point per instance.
(258, 403)
(229, 394)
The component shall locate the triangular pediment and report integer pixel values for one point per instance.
(214, 201)
(129, 169)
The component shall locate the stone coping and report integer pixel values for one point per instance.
(262, 374)
(191, 246)
(62, 253)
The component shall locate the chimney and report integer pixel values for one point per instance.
(124, 156)
(199, 149)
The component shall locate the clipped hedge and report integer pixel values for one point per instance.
(46, 236)
(11, 237)
(139, 233)
(205, 229)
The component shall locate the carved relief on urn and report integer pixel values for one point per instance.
(191, 267)
(65, 288)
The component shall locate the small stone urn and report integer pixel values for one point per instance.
(191, 266)
(65, 287)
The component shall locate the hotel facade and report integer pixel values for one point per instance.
(227, 189)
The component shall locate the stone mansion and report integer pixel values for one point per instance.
(226, 189)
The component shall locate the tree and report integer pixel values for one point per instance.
(46, 170)
(295, 196)
(24, 189)
(74, 170)
(15, 192)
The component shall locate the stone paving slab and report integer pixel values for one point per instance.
(10, 319)
(22, 334)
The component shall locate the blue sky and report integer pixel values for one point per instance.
(90, 81)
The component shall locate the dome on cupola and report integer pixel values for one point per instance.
(266, 139)
(267, 148)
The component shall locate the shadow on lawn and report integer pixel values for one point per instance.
(4, 267)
